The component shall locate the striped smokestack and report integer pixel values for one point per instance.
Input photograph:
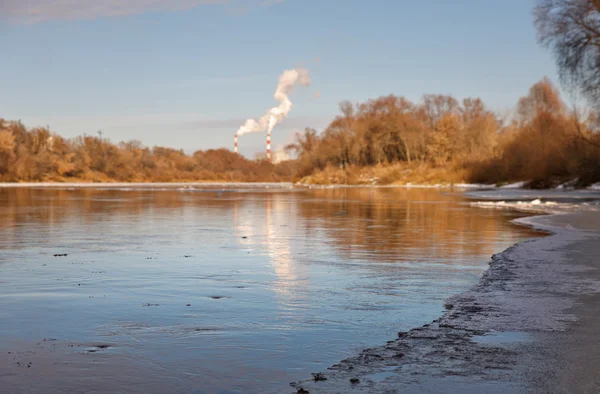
(235, 143)
(269, 145)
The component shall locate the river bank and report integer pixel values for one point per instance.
(529, 325)
(113, 185)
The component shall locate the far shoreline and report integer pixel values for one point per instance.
(298, 185)
(108, 185)
(222, 183)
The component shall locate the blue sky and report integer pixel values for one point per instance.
(187, 73)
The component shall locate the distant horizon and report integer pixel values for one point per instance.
(186, 74)
(257, 146)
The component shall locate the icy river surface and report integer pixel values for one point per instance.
(223, 289)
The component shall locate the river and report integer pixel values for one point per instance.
(224, 289)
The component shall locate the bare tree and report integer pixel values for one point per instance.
(571, 28)
(580, 128)
(436, 106)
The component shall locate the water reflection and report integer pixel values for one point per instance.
(375, 224)
(402, 224)
(279, 212)
(224, 291)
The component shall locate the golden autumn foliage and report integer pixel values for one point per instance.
(36, 155)
(391, 140)
(384, 141)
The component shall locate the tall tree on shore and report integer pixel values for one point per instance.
(571, 28)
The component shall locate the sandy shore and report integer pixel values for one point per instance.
(529, 325)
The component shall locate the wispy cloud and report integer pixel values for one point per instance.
(292, 123)
(36, 11)
(168, 121)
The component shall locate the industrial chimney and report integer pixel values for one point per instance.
(235, 143)
(269, 145)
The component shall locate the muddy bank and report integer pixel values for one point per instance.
(531, 313)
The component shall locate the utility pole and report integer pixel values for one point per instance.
(100, 134)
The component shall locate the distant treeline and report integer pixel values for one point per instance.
(38, 155)
(386, 140)
(442, 140)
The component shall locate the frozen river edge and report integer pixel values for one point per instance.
(532, 310)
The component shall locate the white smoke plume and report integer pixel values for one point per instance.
(275, 115)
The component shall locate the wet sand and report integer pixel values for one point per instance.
(572, 358)
(529, 326)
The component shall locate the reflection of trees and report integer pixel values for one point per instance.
(27, 213)
(378, 224)
(402, 224)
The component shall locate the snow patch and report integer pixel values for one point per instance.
(516, 185)
(568, 185)
(539, 206)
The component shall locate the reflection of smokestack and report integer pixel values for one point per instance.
(269, 145)
(235, 143)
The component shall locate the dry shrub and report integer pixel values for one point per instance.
(38, 155)
(389, 140)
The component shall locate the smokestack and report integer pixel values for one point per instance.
(235, 143)
(269, 145)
